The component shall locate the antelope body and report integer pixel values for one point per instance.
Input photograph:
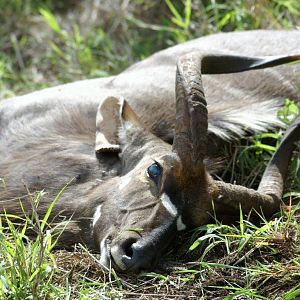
(134, 159)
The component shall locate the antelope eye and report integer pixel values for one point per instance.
(154, 172)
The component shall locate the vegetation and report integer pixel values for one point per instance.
(45, 43)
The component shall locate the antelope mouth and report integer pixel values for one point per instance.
(105, 253)
(113, 257)
(129, 256)
(131, 252)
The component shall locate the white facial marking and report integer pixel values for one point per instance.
(169, 206)
(97, 215)
(124, 183)
(180, 225)
(104, 255)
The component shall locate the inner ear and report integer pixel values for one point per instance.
(114, 118)
(107, 124)
(128, 115)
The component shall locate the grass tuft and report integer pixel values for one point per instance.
(28, 265)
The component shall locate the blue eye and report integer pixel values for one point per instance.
(154, 172)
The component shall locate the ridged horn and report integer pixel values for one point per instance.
(190, 140)
(222, 64)
(191, 113)
(268, 196)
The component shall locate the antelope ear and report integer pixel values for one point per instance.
(113, 113)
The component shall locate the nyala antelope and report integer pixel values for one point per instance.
(133, 147)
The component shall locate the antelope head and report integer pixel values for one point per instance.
(162, 188)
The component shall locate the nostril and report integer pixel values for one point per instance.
(132, 253)
(122, 252)
(127, 246)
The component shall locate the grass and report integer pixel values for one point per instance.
(44, 43)
(28, 265)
